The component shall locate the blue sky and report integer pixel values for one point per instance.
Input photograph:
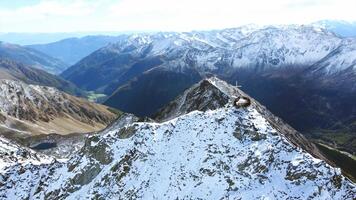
(163, 15)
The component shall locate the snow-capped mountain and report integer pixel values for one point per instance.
(340, 59)
(212, 51)
(340, 27)
(223, 153)
(28, 110)
(339, 67)
(223, 52)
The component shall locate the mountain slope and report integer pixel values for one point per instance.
(17, 71)
(29, 110)
(338, 68)
(117, 59)
(317, 100)
(72, 50)
(225, 153)
(129, 96)
(31, 57)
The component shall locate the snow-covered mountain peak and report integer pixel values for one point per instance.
(225, 152)
(203, 96)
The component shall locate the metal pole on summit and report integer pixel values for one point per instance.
(236, 85)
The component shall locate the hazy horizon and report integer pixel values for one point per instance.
(73, 16)
(113, 32)
(341, 27)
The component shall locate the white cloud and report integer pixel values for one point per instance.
(85, 15)
(44, 16)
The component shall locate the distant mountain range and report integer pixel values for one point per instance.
(31, 57)
(204, 147)
(72, 47)
(45, 38)
(305, 74)
(342, 28)
(71, 50)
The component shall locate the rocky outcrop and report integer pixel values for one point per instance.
(202, 96)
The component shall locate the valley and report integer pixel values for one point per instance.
(343, 159)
